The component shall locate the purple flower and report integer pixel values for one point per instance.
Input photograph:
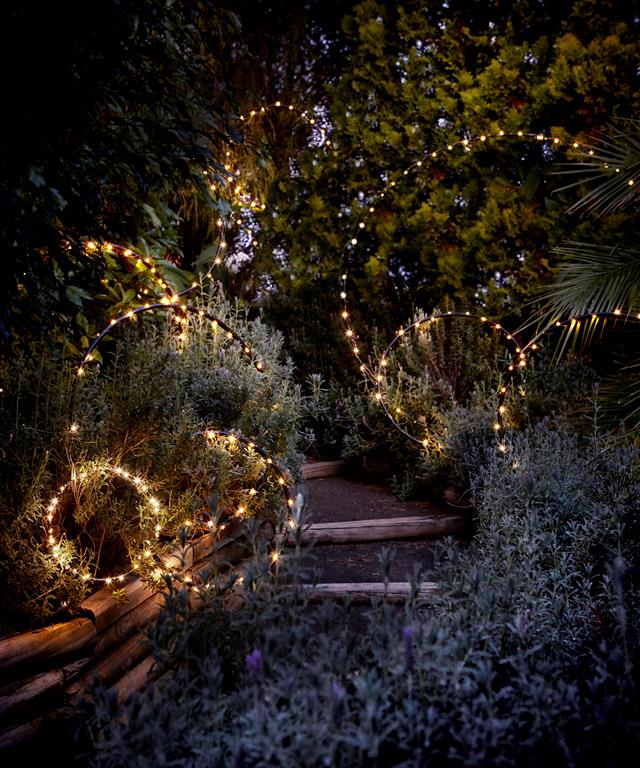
(253, 661)
(338, 694)
(407, 636)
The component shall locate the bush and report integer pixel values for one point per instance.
(441, 385)
(449, 366)
(145, 410)
(527, 656)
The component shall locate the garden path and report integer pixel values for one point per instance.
(341, 499)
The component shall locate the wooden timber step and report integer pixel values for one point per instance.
(393, 528)
(362, 592)
(315, 469)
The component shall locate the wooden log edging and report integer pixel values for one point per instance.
(390, 529)
(45, 669)
(44, 645)
(316, 469)
(364, 592)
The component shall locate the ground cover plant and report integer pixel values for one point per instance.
(527, 656)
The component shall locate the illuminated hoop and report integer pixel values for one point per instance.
(508, 338)
(233, 438)
(151, 549)
(172, 305)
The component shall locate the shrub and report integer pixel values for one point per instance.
(145, 409)
(441, 385)
(451, 365)
(527, 656)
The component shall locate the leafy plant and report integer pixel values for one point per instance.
(146, 411)
(527, 655)
(433, 371)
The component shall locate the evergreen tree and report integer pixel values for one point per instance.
(477, 227)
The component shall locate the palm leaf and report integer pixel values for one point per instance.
(594, 279)
(611, 161)
(620, 401)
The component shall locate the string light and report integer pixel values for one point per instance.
(150, 526)
(233, 439)
(374, 375)
(216, 323)
(574, 322)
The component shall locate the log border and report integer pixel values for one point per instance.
(43, 670)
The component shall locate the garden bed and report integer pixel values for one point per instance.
(45, 669)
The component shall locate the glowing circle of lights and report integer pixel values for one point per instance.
(233, 438)
(150, 550)
(172, 305)
(508, 338)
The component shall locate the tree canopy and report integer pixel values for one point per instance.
(479, 227)
(122, 115)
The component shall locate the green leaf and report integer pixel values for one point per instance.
(75, 294)
(178, 279)
(155, 219)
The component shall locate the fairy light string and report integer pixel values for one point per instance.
(375, 374)
(152, 554)
(151, 549)
(425, 322)
(232, 438)
(422, 165)
(154, 270)
(183, 311)
(574, 323)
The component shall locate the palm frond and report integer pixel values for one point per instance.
(594, 279)
(592, 286)
(620, 402)
(611, 161)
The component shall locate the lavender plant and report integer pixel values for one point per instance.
(145, 408)
(527, 656)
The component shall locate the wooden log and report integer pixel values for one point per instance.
(317, 469)
(33, 648)
(112, 666)
(134, 680)
(127, 624)
(393, 528)
(29, 695)
(396, 591)
(224, 559)
(105, 609)
(19, 734)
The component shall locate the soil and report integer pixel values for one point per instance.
(336, 499)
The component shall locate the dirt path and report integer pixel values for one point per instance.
(338, 499)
